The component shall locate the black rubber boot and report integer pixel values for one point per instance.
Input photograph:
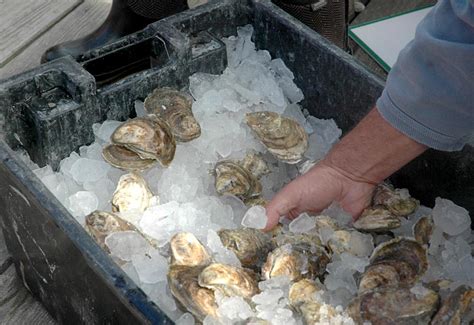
(125, 17)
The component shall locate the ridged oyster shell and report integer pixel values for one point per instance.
(233, 179)
(132, 194)
(229, 280)
(125, 159)
(184, 286)
(251, 246)
(283, 137)
(100, 224)
(149, 137)
(392, 305)
(397, 201)
(377, 219)
(175, 108)
(187, 250)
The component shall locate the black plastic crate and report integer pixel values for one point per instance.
(50, 110)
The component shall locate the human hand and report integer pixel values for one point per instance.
(367, 155)
(316, 190)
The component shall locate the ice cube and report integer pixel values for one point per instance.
(290, 90)
(451, 218)
(255, 217)
(185, 319)
(280, 68)
(360, 244)
(303, 224)
(82, 203)
(88, 170)
(161, 296)
(161, 229)
(125, 244)
(151, 267)
(129, 269)
(139, 108)
(94, 151)
(44, 171)
(104, 132)
(220, 253)
(234, 308)
(66, 164)
(200, 83)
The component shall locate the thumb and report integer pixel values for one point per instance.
(281, 204)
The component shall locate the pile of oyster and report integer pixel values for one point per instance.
(390, 290)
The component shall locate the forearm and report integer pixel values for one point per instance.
(373, 150)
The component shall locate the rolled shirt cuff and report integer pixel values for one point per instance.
(414, 129)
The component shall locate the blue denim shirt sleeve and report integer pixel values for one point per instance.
(429, 94)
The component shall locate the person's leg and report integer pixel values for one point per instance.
(125, 17)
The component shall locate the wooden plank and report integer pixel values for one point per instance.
(23, 21)
(17, 305)
(84, 19)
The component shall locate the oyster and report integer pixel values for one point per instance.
(296, 261)
(251, 246)
(397, 262)
(229, 280)
(187, 250)
(302, 298)
(122, 158)
(423, 230)
(402, 250)
(184, 286)
(391, 305)
(397, 201)
(149, 137)
(283, 137)
(175, 108)
(340, 241)
(255, 164)
(132, 194)
(455, 306)
(303, 291)
(100, 224)
(233, 179)
(377, 219)
(256, 201)
(391, 272)
(308, 239)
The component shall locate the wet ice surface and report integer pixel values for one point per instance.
(252, 82)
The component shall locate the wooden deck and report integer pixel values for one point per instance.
(17, 306)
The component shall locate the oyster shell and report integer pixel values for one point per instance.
(229, 280)
(423, 229)
(187, 250)
(100, 224)
(251, 246)
(340, 241)
(283, 137)
(256, 201)
(391, 305)
(454, 307)
(233, 179)
(397, 201)
(377, 219)
(402, 250)
(122, 158)
(308, 239)
(296, 261)
(255, 164)
(150, 137)
(303, 291)
(184, 286)
(132, 194)
(175, 108)
(390, 272)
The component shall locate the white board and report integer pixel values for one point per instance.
(385, 38)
